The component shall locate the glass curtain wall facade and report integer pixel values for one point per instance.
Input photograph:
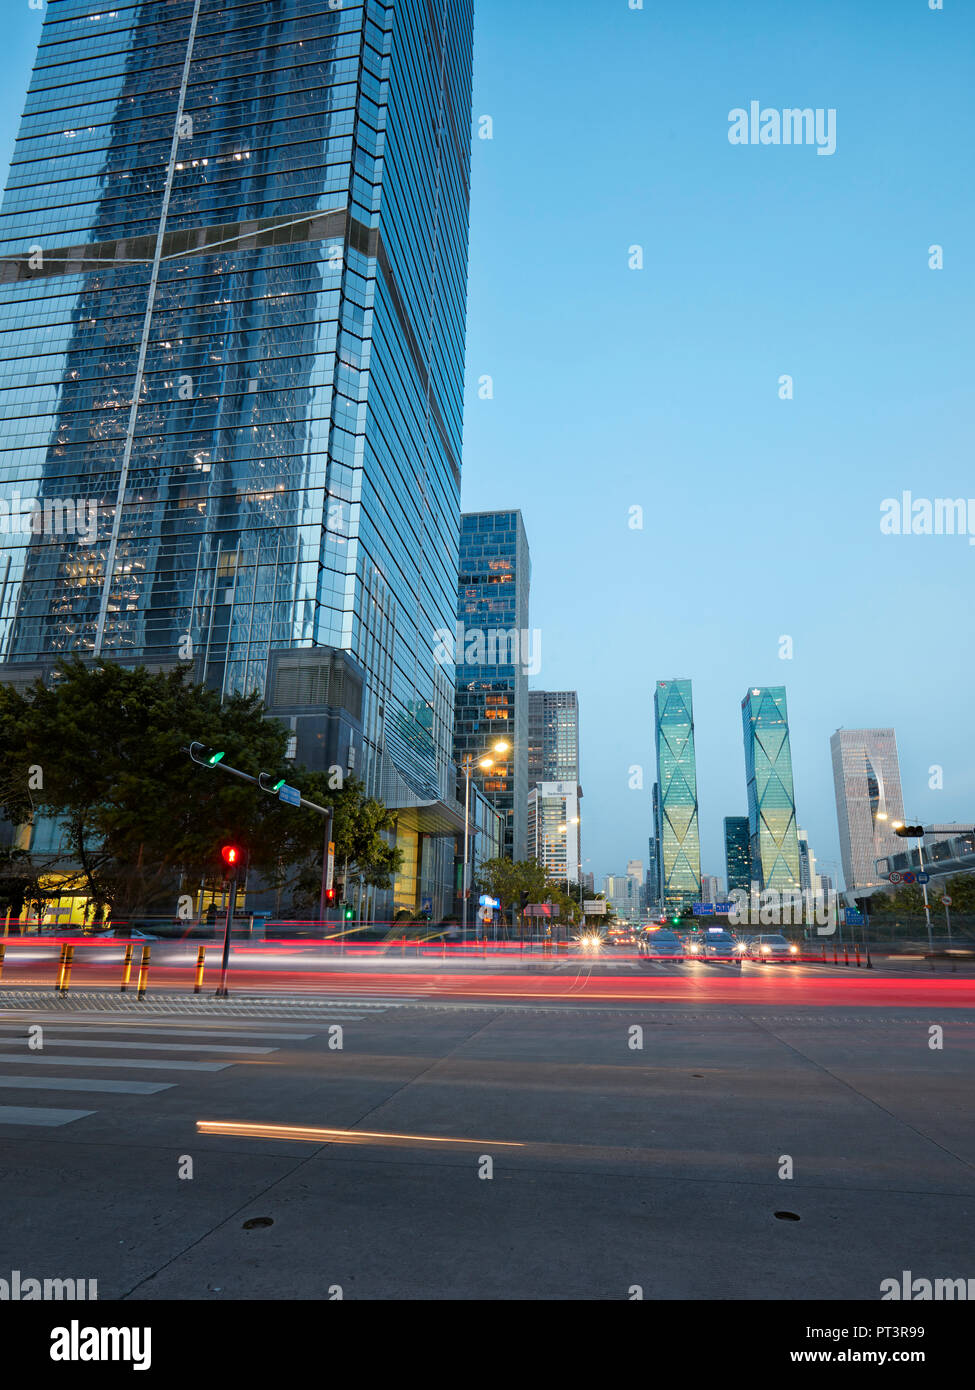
(553, 736)
(772, 827)
(677, 831)
(736, 856)
(867, 782)
(233, 268)
(492, 679)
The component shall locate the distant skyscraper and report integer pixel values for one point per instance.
(867, 780)
(676, 829)
(710, 889)
(623, 891)
(492, 660)
(652, 892)
(773, 838)
(736, 856)
(808, 877)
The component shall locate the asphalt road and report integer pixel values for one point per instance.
(619, 1159)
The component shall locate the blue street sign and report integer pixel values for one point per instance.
(703, 909)
(291, 795)
(426, 904)
(854, 918)
(722, 909)
(923, 877)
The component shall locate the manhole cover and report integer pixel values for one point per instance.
(256, 1222)
(787, 1216)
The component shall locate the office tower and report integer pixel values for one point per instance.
(495, 652)
(553, 745)
(773, 841)
(623, 891)
(736, 856)
(825, 883)
(676, 824)
(711, 891)
(553, 736)
(233, 264)
(553, 823)
(808, 877)
(867, 780)
(651, 892)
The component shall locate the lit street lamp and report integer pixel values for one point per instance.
(468, 766)
(916, 832)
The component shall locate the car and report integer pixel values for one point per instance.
(772, 948)
(658, 944)
(717, 944)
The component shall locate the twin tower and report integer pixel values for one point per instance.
(772, 830)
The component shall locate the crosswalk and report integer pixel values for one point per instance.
(46, 1055)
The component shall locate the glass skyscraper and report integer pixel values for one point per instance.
(772, 827)
(867, 780)
(233, 266)
(494, 653)
(553, 736)
(736, 856)
(676, 830)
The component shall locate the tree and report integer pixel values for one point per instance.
(100, 750)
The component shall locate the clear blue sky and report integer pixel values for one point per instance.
(659, 388)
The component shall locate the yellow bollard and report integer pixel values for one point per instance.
(143, 973)
(3, 948)
(200, 958)
(66, 969)
(127, 968)
(64, 952)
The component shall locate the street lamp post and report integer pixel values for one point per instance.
(565, 828)
(468, 766)
(899, 826)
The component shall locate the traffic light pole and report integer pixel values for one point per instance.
(216, 761)
(223, 992)
(325, 863)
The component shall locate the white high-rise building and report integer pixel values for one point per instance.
(867, 779)
(553, 829)
(711, 889)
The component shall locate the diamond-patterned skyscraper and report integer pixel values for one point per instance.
(772, 829)
(676, 829)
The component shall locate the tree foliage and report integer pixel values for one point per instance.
(100, 750)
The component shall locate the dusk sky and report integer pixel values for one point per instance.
(617, 388)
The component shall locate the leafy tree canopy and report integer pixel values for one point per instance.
(100, 750)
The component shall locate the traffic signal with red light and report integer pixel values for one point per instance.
(233, 858)
(330, 895)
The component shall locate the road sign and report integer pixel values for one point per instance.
(722, 909)
(485, 900)
(703, 909)
(426, 904)
(594, 908)
(291, 795)
(538, 910)
(908, 878)
(854, 918)
(946, 900)
(895, 877)
(923, 877)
